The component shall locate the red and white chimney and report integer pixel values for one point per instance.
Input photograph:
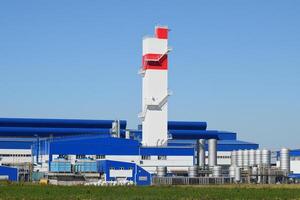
(155, 88)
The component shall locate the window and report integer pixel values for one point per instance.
(100, 156)
(80, 156)
(146, 157)
(162, 157)
(111, 168)
(121, 168)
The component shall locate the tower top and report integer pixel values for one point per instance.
(161, 32)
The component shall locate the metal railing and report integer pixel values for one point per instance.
(190, 181)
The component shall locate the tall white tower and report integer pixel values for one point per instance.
(155, 94)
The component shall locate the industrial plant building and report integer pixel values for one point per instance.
(158, 151)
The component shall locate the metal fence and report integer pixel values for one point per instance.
(190, 181)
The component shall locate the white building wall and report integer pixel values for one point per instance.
(15, 156)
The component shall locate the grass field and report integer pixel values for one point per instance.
(27, 191)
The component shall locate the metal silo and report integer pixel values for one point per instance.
(216, 171)
(258, 157)
(285, 160)
(245, 158)
(212, 152)
(240, 158)
(252, 158)
(161, 171)
(237, 176)
(193, 171)
(266, 157)
(232, 171)
(233, 158)
(201, 153)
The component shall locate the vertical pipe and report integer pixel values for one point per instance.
(212, 152)
(201, 153)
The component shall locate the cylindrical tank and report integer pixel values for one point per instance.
(240, 158)
(212, 152)
(285, 160)
(254, 172)
(258, 157)
(216, 171)
(201, 153)
(232, 171)
(252, 158)
(161, 171)
(234, 158)
(193, 171)
(245, 158)
(266, 157)
(237, 174)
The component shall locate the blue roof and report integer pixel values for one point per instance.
(297, 176)
(47, 132)
(222, 145)
(16, 143)
(58, 123)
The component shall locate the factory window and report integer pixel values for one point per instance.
(100, 156)
(111, 168)
(146, 157)
(162, 157)
(130, 168)
(224, 157)
(80, 156)
(121, 168)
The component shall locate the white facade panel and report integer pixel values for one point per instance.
(155, 46)
(120, 173)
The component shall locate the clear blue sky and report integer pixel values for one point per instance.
(235, 64)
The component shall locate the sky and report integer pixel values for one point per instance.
(235, 64)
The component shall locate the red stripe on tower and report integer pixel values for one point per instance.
(155, 61)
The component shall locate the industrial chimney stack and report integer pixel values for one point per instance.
(155, 94)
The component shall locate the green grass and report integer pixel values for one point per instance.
(29, 191)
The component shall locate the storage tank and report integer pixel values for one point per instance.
(161, 171)
(216, 171)
(254, 172)
(201, 153)
(237, 177)
(212, 152)
(245, 158)
(266, 157)
(252, 158)
(258, 157)
(240, 158)
(285, 160)
(193, 171)
(232, 171)
(234, 158)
